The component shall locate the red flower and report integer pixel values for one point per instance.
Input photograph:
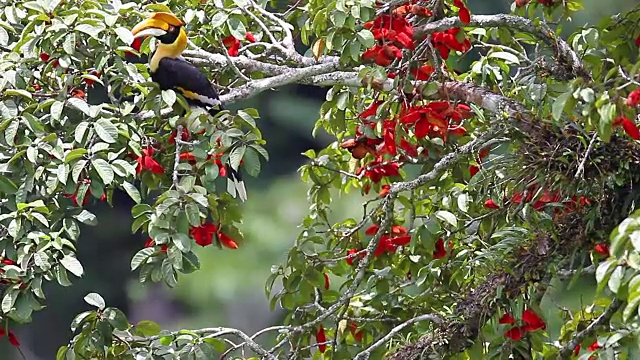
(326, 281)
(439, 251)
(376, 170)
(3, 332)
(372, 230)
(423, 73)
(44, 57)
(147, 162)
(137, 43)
(401, 240)
(249, 37)
(226, 241)
(629, 127)
(515, 333)
(490, 204)
(447, 40)
(506, 319)
(382, 55)
(634, 98)
(321, 339)
(384, 191)
(8, 262)
(232, 44)
(458, 131)
(576, 350)
(532, 321)
(393, 28)
(473, 170)
(357, 334)
(594, 346)
(203, 234)
(638, 41)
(188, 157)
(185, 135)
(384, 245)
(371, 110)
(13, 340)
(351, 256)
(602, 249)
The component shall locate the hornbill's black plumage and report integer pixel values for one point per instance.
(172, 72)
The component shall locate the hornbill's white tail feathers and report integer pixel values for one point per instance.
(235, 185)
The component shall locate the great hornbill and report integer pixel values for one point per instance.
(170, 71)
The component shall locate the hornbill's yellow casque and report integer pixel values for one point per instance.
(172, 72)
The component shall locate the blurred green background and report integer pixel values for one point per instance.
(229, 289)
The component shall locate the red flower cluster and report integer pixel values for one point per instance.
(628, 125)
(233, 45)
(74, 196)
(445, 41)
(147, 162)
(151, 243)
(440, 251)
(633, 99)
(203, 235)
(378, 169)
(434, 118)
(389, 242)
(13, 340)
(393, 33)
(547, 197)
(531, 320)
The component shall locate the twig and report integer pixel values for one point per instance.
(365, 354)
(580, 170)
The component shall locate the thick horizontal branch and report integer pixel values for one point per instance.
(565, 56)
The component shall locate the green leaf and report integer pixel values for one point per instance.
(94, 299)
(74, 154)
(87, 218)
(106, 130)
(116, 318)
(236, 156)
(148, 328)
(141, 257)
(18, 92)
(632, 305)
(217, 344)
(169, 97)
(132, 191)
(124, 35)
(237, 28)
(252, 162)
(69, 44)
(8, 300)
(104, 169)
(447, 217)
(218, 19)
(558, 106)
(62, 353)
(506, 56)
(91, 30)
(78, 104)
(366, 38)
(56, 110)
(72, 265)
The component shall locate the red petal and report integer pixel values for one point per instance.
(13, 340)
(631, 129)
(532, 320)
(402, 240)
(602, 249)
(515, 333)
(473, 170)
(226, 241)
(440, 251)
(464, 15)
(372, 230)
(326, 281)
(249, 37)
(490, 204)
(506, 319)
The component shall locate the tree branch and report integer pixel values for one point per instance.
(567, 350)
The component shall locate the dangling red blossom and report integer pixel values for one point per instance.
(188, 157)
(633, 99)
(357, 334)
(13, 339)
(506, 319)
(473, 170)
(232, 44)
(151, 243)
(422, 73)
(515, 333)
(532, 321)
(490, 204)
(226, 241)
(384, 190)
(629, 127)
(602, 249)
(185, 135)
(147, 162)
(203, 234)
(440, 250)
(321, 339)
(463, 13)
(594, 346)
(326, 281)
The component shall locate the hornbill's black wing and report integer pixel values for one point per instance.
(181, 76)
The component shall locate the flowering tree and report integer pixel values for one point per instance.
(484, 187)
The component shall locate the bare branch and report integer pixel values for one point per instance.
(365, 354)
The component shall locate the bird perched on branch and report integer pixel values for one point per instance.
(170, 71)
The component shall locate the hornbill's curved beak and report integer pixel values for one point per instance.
(157, 25)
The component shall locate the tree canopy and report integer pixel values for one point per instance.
(497, 163)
